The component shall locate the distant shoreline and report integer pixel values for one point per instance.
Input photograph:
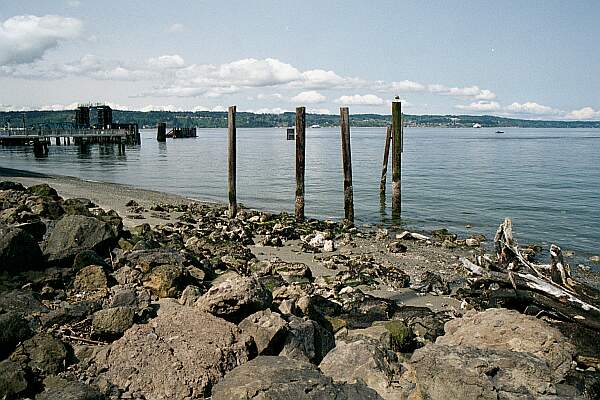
(218, 119)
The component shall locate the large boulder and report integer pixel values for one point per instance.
(268, 330)
(235, 298)
(439, 372)
(42, 190)
(364, 361)
(113, 322)
(13, 330)
(493, 354)
(279, 378)
(73, 234)
(307, 340)
(179, 354)
(12, 380)
(18, 250)
(503, 329)
(43, 354)
(165, 280)
(21, 301)
(58, 388)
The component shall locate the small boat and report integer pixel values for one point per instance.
(476, 125)
(315, 126)
(499, 131)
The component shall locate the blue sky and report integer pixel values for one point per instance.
(527, 59)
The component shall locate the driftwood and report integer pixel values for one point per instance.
(549, 287)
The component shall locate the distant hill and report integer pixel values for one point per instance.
(211, 119)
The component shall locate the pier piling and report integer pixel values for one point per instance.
(347, 164)
(161, 134)
(231, 161)
(384, 166)
(300, 160)
(396, 158)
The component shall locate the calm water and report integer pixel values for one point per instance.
(547, 180)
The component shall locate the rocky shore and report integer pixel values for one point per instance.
(170, 299)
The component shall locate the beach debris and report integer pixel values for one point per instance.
(396, 247)
(406, 235)
(550, 287)
(430, 282)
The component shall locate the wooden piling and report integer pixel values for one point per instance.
(231, 161)
(347, 164)
(300, 161)
(58, 140)
(161, 134)
(396, 158)
(386, 156)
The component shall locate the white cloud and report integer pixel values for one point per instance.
(531, 108)
(585, 113)
(276, 110)
(168, 107)
(167, 62)
(175, 28)
(74, 3)
(273, 96)
(480, 106)
(364, 100)
(406, 86)
(26, 38)
(309, 97)
(468, 91)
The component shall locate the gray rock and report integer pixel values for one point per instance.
(13, 330)
(235, 298)
(190, 295)
(307, 340)
(113, 322)
(91, 279)
(179, 354)
(127, 275)
(77, 207)
(67, 313)
(58, 388)
(42, 353)
(279, 378)
(73, 234)
(165, 280)
(21, 301)
(364, 361)
(455, 372)
(503, 329)
(12, 379)
(18, 250)
(42, 190)
(9, 185)
(268, 330)
(88, 257)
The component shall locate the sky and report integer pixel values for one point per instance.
(523, 59)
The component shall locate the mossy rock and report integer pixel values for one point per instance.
(403, 338)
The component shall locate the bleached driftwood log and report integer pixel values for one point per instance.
(549, 287)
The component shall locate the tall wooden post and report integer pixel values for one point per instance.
(396, 158)
(161, 134)
(300, 153)
(231, 161)
(347, 162)
(386, 156)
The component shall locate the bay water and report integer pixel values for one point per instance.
(467, 180)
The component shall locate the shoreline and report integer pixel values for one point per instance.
(110, 195)
(313, 292)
